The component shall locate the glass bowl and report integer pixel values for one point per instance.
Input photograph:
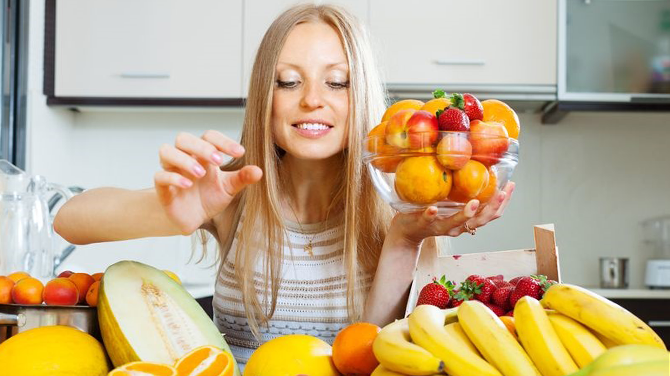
(412, 171)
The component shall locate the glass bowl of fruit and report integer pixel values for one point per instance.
(418, 159)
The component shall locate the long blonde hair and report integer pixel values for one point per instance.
(366, 217)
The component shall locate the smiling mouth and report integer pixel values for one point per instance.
(312, 126)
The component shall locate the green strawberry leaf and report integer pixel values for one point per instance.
(457, 101)
(438, 113)
(439, 94)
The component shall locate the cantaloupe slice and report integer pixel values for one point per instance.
(145, 315)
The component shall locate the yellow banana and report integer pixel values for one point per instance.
(626, 355)
(540, 340)
(426, 327)
(494, 341)
(456, 331)
(383, 371)
(393, 349)
(600, 314)
(657, 368)
(582, 345)
(606, 341)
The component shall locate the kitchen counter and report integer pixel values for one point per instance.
(631, 293)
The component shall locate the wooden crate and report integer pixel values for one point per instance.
(541, 260)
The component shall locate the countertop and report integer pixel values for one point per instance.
(632, 293)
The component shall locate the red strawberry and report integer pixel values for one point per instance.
(453, 118)
(494, 278)
(514, 280)
(437, 293)
(482, 289)
(500, 297)
(473, 107)
(544, 283)
(527, 286)
(501, 284)
(497, 310)
(459, 296)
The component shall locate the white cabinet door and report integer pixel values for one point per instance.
(466, 42)
(259, 14)
(148, 48)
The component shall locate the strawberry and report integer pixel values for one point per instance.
(527, 286)
(514, 280)
(494, 278)
(473, 107)
(497, 310)
(500, 297)
(501, 284)
(453, 118)
(480, 287)
(459, 296)
(545, 283)
(437, 293)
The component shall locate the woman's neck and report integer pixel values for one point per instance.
(310, 186)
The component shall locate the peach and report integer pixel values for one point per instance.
(454, 150)
(65, 274)
(17, 276)
(97, 276)
(60, 291)
(6, 285)
(92, 294)
(489, 141)
(396, 128)
(83, 281)
(422, 180)
(28, 291)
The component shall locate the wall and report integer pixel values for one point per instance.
(594, 175)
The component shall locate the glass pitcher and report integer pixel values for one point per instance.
(26, 231)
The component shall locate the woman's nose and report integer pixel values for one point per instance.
(312, 96)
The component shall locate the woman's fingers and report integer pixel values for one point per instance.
(168, 178)
(224, 143)
(239, 179)
(175, 159)
(509, 188)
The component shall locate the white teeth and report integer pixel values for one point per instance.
(312, 126)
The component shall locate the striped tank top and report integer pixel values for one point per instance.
(312, 294)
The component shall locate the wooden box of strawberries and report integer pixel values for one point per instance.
(498, 279)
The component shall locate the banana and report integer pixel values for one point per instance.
(626, 355)
(383, 371)
(657, 368)
(580, 342)
(606, 341)
(494, 341)
(456, 331)
(393, 349)
(601, 315)
(426, 327)
(540, 340)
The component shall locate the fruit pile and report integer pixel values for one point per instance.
(498, 295)
(444, 149)
(570, 331)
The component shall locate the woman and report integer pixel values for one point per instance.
(306, 244)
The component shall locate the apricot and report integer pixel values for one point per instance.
(454, 150)
(83, 281)
(491, 188)
(60, 291)
(65, 274)
(92, 294)
(17, 276)
(97, 276)
(6, 285)
(28, 291)
(422, 180)
(469, 181)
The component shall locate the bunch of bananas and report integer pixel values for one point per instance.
(571, 331)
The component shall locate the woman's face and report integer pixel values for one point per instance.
(311, 96)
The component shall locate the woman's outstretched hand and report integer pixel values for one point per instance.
(414, 227)
(191, 187)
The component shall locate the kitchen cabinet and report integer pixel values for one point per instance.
(476, 43)
(143, 49)
(259, 14)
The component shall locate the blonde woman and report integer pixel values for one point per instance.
(306, 245)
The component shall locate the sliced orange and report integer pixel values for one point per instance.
(143, 369)
(206, 361)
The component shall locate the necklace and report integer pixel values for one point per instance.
(308, 247)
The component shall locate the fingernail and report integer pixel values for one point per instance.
(185, 183)
(238, 149)
(198, 171)
(501, 196)
(217, 158)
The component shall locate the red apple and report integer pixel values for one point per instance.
(454, 150)
(489, 141)
(396, 128)
(422, 130)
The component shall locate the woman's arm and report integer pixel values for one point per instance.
(109, 214)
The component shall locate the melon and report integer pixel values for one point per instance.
(292, 355)
(52, 351)
(145, 315)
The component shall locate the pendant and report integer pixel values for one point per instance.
(308, 249)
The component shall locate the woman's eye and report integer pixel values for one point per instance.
(287, 84)
(339, 85)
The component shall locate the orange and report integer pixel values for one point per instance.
(491, 188)
(27, 291)
(144, 369)
(422, 180)
(498, 111)
(92, 294)
(17, 276)
(436, 104)
(352, 349)
(83, 281)
(469, 181)
(401, 105)
(206, 361)
(510, 325)
(97, 276)
(385, 159)
(6, 285)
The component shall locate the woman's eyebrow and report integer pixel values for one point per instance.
(331, 65)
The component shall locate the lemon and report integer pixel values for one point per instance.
(53, 351)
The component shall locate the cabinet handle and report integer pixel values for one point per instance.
(664, 324)
(144, 75)
(461, 62)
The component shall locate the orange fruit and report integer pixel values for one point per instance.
(144, 369)
(469, 181)
(28, 291)
(92, 294)
(17, 276)
(491, 188)
(385, 159)
(352, 349)
(436, 104)
(97, 276)
(510, 325)
(498, 111)
(422, 180)
(6, 285)
(401, 105)
(83, 281)
(206, 361)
